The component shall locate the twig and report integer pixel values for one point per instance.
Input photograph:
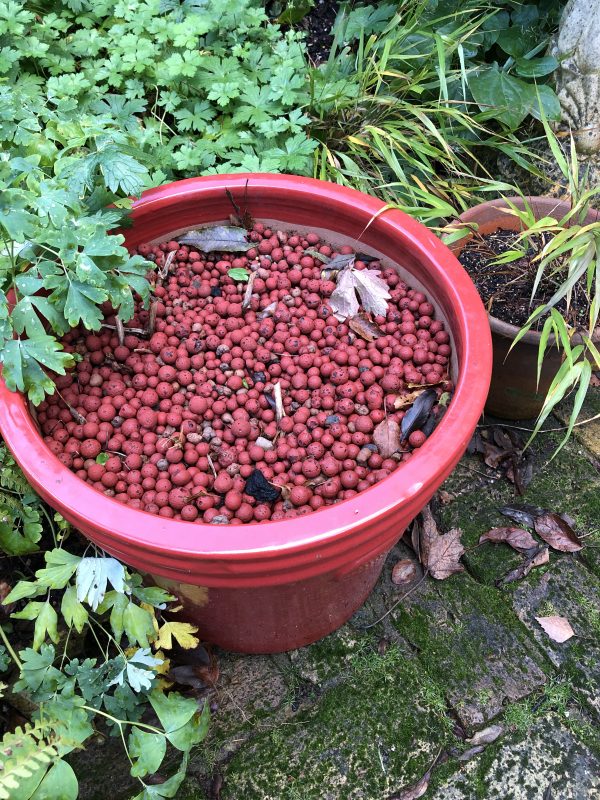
(151, 319)
(279, 410)
(248, 292)
(120, 330)
(211, 465)
(399, 600)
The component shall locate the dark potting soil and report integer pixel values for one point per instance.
(318, 24)
(506, 288)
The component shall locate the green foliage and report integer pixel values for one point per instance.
(93, 98)
(413, 95)
(71, 695)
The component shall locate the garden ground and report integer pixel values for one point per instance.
(364, 713)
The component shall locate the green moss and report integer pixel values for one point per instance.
(375, 732)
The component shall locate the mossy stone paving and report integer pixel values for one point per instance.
(521, 766)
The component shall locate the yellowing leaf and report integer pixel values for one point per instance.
(181, 631)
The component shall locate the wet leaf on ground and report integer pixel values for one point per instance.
(470, 753)
(217, 239)
(444, 555)
(558, 628)
(387, 437)
(523, 514)
(536, 559)
(404, 571)
(486, 735)
(557, 533)
(415, 791)
(517, 538)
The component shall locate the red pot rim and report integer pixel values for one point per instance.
(255, 548)
(489, 213)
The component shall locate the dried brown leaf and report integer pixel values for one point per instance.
(444, 555)
(486, 735)
(470, 753)
(493, 456)
(539, 557)
(406, 400)
(557, 533)
(404, 571)
(365, 329)
(558, 628)
(415, 791)
(387, 437)
(428, 533)
(445, 497)
(517, 538)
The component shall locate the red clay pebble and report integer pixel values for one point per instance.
(181, 420)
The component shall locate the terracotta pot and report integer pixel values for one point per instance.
(514, 391)
(279, 585)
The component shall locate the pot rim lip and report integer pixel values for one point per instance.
(359, 518)
(507, 329)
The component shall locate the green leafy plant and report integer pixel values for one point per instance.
(71, 597)
(566, 260)
(397, 106)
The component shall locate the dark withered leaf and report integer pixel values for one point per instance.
(365, 329)
(557, 533)
(432, 421)
(539, 557)
(476, 444)
(258, 487)
(467, 755)
(341, 261)
(364, 257)
(219, 238)
(259, 377)
(523, 514)
(216, 291)
(520, 471)
(548, 794)
(185, 675)
(486, 736)
(418, 413)
(271, 400)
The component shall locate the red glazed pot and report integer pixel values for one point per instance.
(514, 389)
(280, 585)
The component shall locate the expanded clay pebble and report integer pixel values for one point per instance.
(243, 414)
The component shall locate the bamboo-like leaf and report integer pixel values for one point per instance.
(585, 375)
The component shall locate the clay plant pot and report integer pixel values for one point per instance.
(514, 390)
(280, 585)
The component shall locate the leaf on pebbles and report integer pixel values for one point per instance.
(219, 238)
(404, 571)
(248, 292)
(372, 290)
(406, 400)
(365, 329)
(387, 437)
(558, 628)
(444, 555)
(279, 410)
(518, 538)
(486, 735)
(416, 416)
(557, 533)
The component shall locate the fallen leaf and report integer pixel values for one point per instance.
(548, 794)
(444, 555)
(445, 497)
(279, 410)
(383, 646)
(416, 416)
(404, 571)
(415, 791)
(523, 514)
(558, 628)
(238, 274)
(387, 437)
(537, 559)
(216, 785)
(427, 533)
(493, 455)
(268, 311)
(520, 471)
(219, 238)
(341, 261)
(486, 735)
(367, 283)
(557, 533)
(183, 632)
(318, 255)
(470, 753)
(406, 400)
(365, 329)
(517, 538)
